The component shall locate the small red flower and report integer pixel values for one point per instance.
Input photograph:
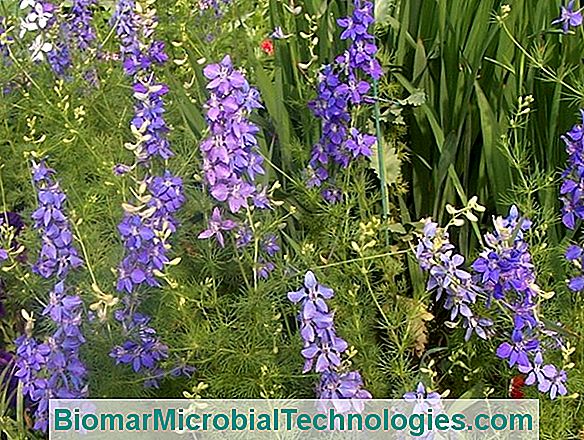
(267, 46)
(516, 387)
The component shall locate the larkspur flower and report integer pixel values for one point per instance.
(53, 369)
(58, 254)
(278, 34)
(572, 189)
(424, 402)
(80, 19)
(556, 381)
(322, 346)
(340, 88)
(216, 227)
(447, 275)
(569, 18)
(40, 18)
(344, 389)
(423, 399)
(146, 228)
(59, 57)
(231, 159)
(503, 274)
(145, 350)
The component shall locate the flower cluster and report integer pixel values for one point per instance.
(149, 221)
(145, 230)
(135, 23)
(322, 346)
(507, 274)
(572, 189)
(340, 88)
(569, 18)
(53, 369)
(145, 350)
(231, 160)
(80, 23)
(437, 256)
(503, 275)
(59, 57)
(56, 30)
(58, 253)
(39, 18)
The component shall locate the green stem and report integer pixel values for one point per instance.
(381, 159)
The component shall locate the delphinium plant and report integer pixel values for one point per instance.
(52, 368)
(149, 220)
(342, 87)
(323, 347)
(501, 281)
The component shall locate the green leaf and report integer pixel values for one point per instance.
(391, 161)
(382, 12)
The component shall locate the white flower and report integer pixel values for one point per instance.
(39, 48)
(27, 4)
(26, 26)
(39, 16)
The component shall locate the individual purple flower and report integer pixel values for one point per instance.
(278, 34)
(312, 296)
(556, 383)
(332, 194)
(518, 351)
(569, 18)
(265, 268)
(423, 399)
(270, 245)
(217, 225)
(535, 373)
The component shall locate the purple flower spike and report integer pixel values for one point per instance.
(53, 369)
(58, 253)
(231, 159)
(146, 232)
(340, 88)
(503, 272)
(322, 346)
